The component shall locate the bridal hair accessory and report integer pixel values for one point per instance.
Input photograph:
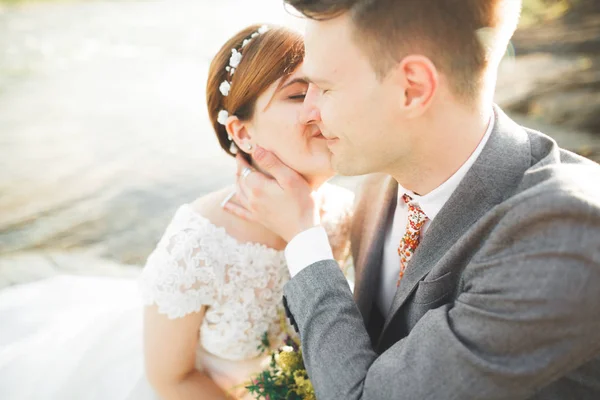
(222, 118)
(234, 61)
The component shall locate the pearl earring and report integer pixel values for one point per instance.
(248, 146)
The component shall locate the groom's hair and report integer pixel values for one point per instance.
(461, 37)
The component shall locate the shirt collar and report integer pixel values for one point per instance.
(432, 202)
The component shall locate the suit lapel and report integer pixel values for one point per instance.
(368, 264)
(494, 176)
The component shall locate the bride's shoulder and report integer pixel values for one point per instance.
(193, 221)
(182, 272)
(209, 206)
(203, 211)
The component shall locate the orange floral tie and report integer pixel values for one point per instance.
(412, 236)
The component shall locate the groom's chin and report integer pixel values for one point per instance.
(343, 168)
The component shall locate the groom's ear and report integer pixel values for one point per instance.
(418, 79)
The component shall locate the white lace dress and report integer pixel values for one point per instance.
(80, 338)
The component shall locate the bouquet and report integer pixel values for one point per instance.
(285, 378)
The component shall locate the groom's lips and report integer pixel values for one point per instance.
(330, 140)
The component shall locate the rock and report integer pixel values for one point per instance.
(557, 95)
(555, 78)
(565, 91)
(576, 109)
(568, 35)
(31, 266)
(520, 78)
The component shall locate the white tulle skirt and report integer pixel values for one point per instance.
(80, 338)
(74, 338)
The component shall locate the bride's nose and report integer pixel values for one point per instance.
(310, 113)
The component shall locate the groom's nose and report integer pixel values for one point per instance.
(310, 112)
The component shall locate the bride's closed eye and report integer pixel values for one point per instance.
(299, 96)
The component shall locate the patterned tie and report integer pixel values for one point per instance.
(411, 238)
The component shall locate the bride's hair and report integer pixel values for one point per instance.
(267, 57)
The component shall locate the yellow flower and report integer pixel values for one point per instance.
(304, 387)
(288, 360)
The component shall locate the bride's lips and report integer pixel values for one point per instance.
(318, 135)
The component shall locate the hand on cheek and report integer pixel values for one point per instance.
(283, 203)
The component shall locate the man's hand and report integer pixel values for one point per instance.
(283, 203)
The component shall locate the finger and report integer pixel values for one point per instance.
(284, 175)
(248, 183)
(239, 211)
(256, 186)
(241, 164)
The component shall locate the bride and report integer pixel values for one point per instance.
(211, 289)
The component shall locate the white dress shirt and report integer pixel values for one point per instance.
(312, 245)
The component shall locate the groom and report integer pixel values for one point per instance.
(476, 241)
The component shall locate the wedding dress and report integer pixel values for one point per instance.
(80, 338)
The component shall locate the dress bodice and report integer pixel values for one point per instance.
(198, 264)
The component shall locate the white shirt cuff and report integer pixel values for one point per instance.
(307, 248)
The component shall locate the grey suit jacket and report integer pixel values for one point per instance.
(501, 300)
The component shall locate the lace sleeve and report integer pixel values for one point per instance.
(182, 274)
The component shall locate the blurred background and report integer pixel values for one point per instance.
(104, 131)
